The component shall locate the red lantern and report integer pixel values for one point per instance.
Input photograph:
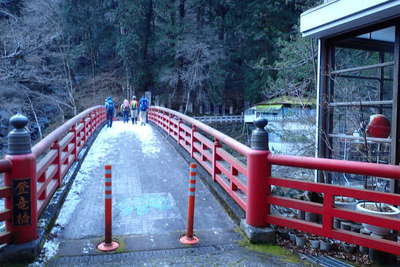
(378, 126)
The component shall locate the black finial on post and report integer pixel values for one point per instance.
(259, 136)
(19, 139)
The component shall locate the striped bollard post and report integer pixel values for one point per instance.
(108, 244)
(189, 238)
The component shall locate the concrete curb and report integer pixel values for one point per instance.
(265, 235)
(27, 252)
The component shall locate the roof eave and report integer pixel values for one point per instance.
(364, 18)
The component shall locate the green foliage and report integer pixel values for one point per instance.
(295, 68)
(151, 44)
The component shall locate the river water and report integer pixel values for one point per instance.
(290, 138)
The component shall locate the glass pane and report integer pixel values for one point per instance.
(361, 78)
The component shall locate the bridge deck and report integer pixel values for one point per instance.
(150, 185)
(150, 188)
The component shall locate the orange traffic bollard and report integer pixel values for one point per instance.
(108, 244)
(190, 238)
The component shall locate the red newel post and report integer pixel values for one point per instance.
(190, 238)
(22, 180)
(258, 172)
(108, 244)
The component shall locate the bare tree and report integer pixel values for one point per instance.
(35, 52)
(35, 116)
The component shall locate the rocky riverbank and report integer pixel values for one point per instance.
(43, 116)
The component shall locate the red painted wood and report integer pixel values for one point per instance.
(296, 204)
(5, 165)
(233, 179)
(5, 238)
(368, 195)
(356, 216)
(235, 196)
(24, 170)
(57, 134)
(204, 140)
(257, 189)
(5, 192)
(239, 166)
(355, 167)
(366, 241)
(257, 198)
(5, 215)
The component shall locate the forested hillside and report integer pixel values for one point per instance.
(60, 56)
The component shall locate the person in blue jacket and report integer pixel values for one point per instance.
(143, 106)
(110, 109)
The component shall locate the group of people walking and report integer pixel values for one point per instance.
(128, 109)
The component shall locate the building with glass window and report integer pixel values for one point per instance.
(358, 79)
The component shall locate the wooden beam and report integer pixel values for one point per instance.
(360, 138)
(362, 103)
(361, 77)
(331, 94)
(368, 67)
(324, 64)
(367, 29)
(366, 44)
(381, 78)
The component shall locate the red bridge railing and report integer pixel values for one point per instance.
(327, 209)
(5, 193)
(246, 176)
(32, 178)
(59, 150)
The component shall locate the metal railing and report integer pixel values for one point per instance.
(211, 119)
(245, 174)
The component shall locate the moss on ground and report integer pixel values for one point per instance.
(273, 250)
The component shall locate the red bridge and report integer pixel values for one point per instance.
(32, 175)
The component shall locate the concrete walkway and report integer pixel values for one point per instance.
(150, 185)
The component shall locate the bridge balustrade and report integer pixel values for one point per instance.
(246, 175)
(5, 193)
(51, 159)
(205, 144)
